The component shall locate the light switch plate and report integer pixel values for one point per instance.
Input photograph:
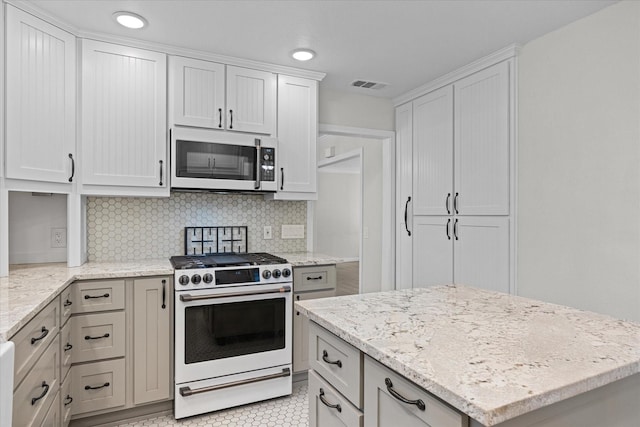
(292, 231)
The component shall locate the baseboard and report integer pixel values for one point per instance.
(125, 416)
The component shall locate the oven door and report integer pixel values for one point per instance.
(227, 331)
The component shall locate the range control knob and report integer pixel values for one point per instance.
(184, 280)
(276, 273)
(266, 274)
(207, 278)
(195, 279)
(286, 272)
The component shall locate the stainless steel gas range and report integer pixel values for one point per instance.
(232, 330)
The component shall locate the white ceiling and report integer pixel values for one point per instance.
(402, 43)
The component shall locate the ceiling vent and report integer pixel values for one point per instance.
(368, 85)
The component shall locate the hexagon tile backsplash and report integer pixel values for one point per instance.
(121, 228)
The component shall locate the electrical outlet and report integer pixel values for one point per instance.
(58, 237)
(267, 232)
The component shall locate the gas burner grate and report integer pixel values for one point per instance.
(215, 239)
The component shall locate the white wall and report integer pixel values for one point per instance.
(579, 164)
(360, 111)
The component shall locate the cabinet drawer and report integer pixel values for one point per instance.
(52, 418)
(314, 278)
(100, 295)
(34, 396)
(382, 408)
(66, 350)
(337, 362)
(66, 402)
(66, 303)
(32, 340)
(98, 385)
(98, 336)
(324, 402)
(301, 331)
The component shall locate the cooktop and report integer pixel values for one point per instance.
(227, 259)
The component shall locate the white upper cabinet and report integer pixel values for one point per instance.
(40, 100)
(251, 100)
(482, 142)
(124, 141)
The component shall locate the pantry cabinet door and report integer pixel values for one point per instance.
(482, 142)
(123, 116)
(251, 100)
(432, 251)
(481, 252)
(433, 153)
(404, 186)
(40, 99)
(197, 92)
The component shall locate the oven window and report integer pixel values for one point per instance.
(219, 331)
(215, 161)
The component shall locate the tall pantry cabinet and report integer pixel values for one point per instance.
(456, 155)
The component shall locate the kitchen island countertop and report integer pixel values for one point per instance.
(491, 355)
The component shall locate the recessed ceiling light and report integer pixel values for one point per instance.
(130, 20)
(303, 54)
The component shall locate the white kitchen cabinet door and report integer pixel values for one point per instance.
(482, 142)
(40, 99)
(251, 100)
(481, 252)
(297, 134)
(197, 93)
(433, 153)
(432, 251)
(404, 185)
(123, 116)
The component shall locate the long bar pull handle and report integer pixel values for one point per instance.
(97, 296)
(161, 173)
(447, 203)
(406, 208)
(164, 294)
(448, 235)
(189, 297)
(231, 122)
(455, 203)
(315, 278)
(337, 406)
(88, 387)
(44, 393)
(455, 229)
(187, 391)
(88, 337)
(419, 403)
(44, 331)
(258, 162)
(325, 358)
(281, 179)
(73, 167)
(220, 117)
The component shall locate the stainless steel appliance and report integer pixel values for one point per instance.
(233, 332)
(208, 160)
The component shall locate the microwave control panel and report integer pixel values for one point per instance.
(268, 164)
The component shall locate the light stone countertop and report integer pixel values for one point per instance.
(491, 355)
(30, 287)
(303, 259)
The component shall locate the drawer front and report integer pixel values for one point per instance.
(314, 278)
(100, 295)
(328, 408)
(52, 418)
(66, 349)
(66, 402)
(98, 336)
(383, 389)
(34, 396)
(96, 386)
(32, 340)
(337, 362)
(66, 304)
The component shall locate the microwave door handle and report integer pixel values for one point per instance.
(258, 162)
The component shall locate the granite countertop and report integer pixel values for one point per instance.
(492, 356)
(303, 259)
(29, 288)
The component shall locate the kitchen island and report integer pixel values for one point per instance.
(496, 358)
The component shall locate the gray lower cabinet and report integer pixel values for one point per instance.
(98, 385)
(52, 418)
(328, 408)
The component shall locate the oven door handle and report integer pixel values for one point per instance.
(187, 391)
(189, 297)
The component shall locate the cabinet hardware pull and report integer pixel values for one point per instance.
(187, 391)
(189, 297)
(68, 347)
(44, 392)
(68, 400)
(258, 183)
(455, 229)
(419, 403)
(87, 337)
(455, 203)
(160, 173)
(44, 331)
(314, 278)
(220, 117)
(231, 124)
(97, 296)
(448, 235)
(67, 303)
(164, 294)
(281, 178)
(327, 404)
(447, 203)
(88, 387)
(297, 313)
(325, 357)
(406, 206)
(73, 167)
(298, 297)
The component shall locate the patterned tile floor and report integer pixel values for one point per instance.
(290, 411)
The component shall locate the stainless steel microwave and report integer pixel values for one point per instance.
(210, 160)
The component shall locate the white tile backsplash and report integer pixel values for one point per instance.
(120, 228)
